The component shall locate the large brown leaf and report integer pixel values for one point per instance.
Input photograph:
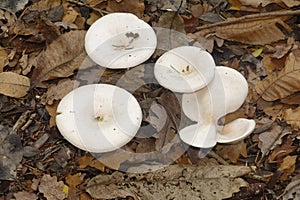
(14, 85)
(52, 63)
(285, 83)
(258, 31)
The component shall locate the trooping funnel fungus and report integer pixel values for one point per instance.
(184, 69)
(120, 40)
(224, 94)
(98, 117)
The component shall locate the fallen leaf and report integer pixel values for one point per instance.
(292, 99)
(256, 3)
(136, 7)
(292, 190)
(292, 117)
(23, 195)
(61, 51)
(13, 5)
(89, 160)
(51, 188)
(171, 182)
(280, 151)
(59, 90)
(269, 139)
(51, 109)
(11, 153)
(233, 151)
(266, 30)
(3, 58)
(287, 166)
(285, 83)
(74, 180)
(13, 84)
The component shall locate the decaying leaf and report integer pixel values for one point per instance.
(292, 190)
(233, 151)
(59, 90)
(11, 153)
(89, 160)
(13, 84)
(171, 182)
(23, 195)
(287, 166)
(74, 180)
(51, 188)
(60, 52)
(13, 5)
(3, 58)
(259, 31)
(281, 151)
(136, 7)
(269, 139)
(285, 83)
(292, 117)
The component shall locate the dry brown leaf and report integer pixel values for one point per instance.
(14, 85)
(136, 7)
(269, 139)
(287, 166)
(171, 182)
(3, 58)
(281, 151)
(233, 151)
(292, 99)
(256, 3)
(23, 195)
(59, 90)
(51, 109)
(60, 52)
(272, 64)
(51, 188)
(74, 180)
(285, 83)
(70, 15)
(292, 190)
(89, 160)
(265, 31)
(292, 117)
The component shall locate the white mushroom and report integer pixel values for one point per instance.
(98, 117)
(184, 69)
(236, 130)
(120, 40)
(224, 94)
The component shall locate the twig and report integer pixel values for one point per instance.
(253, 16)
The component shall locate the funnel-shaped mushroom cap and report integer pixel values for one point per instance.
(184, 69)
(236, 130)
(98, 117)
(224, 94)
(199, 135)
(120, 40)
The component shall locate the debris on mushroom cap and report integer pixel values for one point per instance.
(184, 69)
(120, 40)
(236, 130)
(224, 94)
(98, 117)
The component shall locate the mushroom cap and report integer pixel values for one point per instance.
(224, 94)
(98, 117)
(184, 69)
(120, 40)
(236, 130)
(199, 135)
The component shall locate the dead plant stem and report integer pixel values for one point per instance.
(247, 17)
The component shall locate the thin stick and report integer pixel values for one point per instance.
(253, 16)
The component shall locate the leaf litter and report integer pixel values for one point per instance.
(42, 43)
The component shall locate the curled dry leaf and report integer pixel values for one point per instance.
(233, 151)
(171, 182)
(60, 52)
(13, 84)
(287, 166)
(136, 7)
(285, 83)
(292, 117)
(51, 188)
(265, 29)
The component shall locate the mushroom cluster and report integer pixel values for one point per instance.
(101, 117)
